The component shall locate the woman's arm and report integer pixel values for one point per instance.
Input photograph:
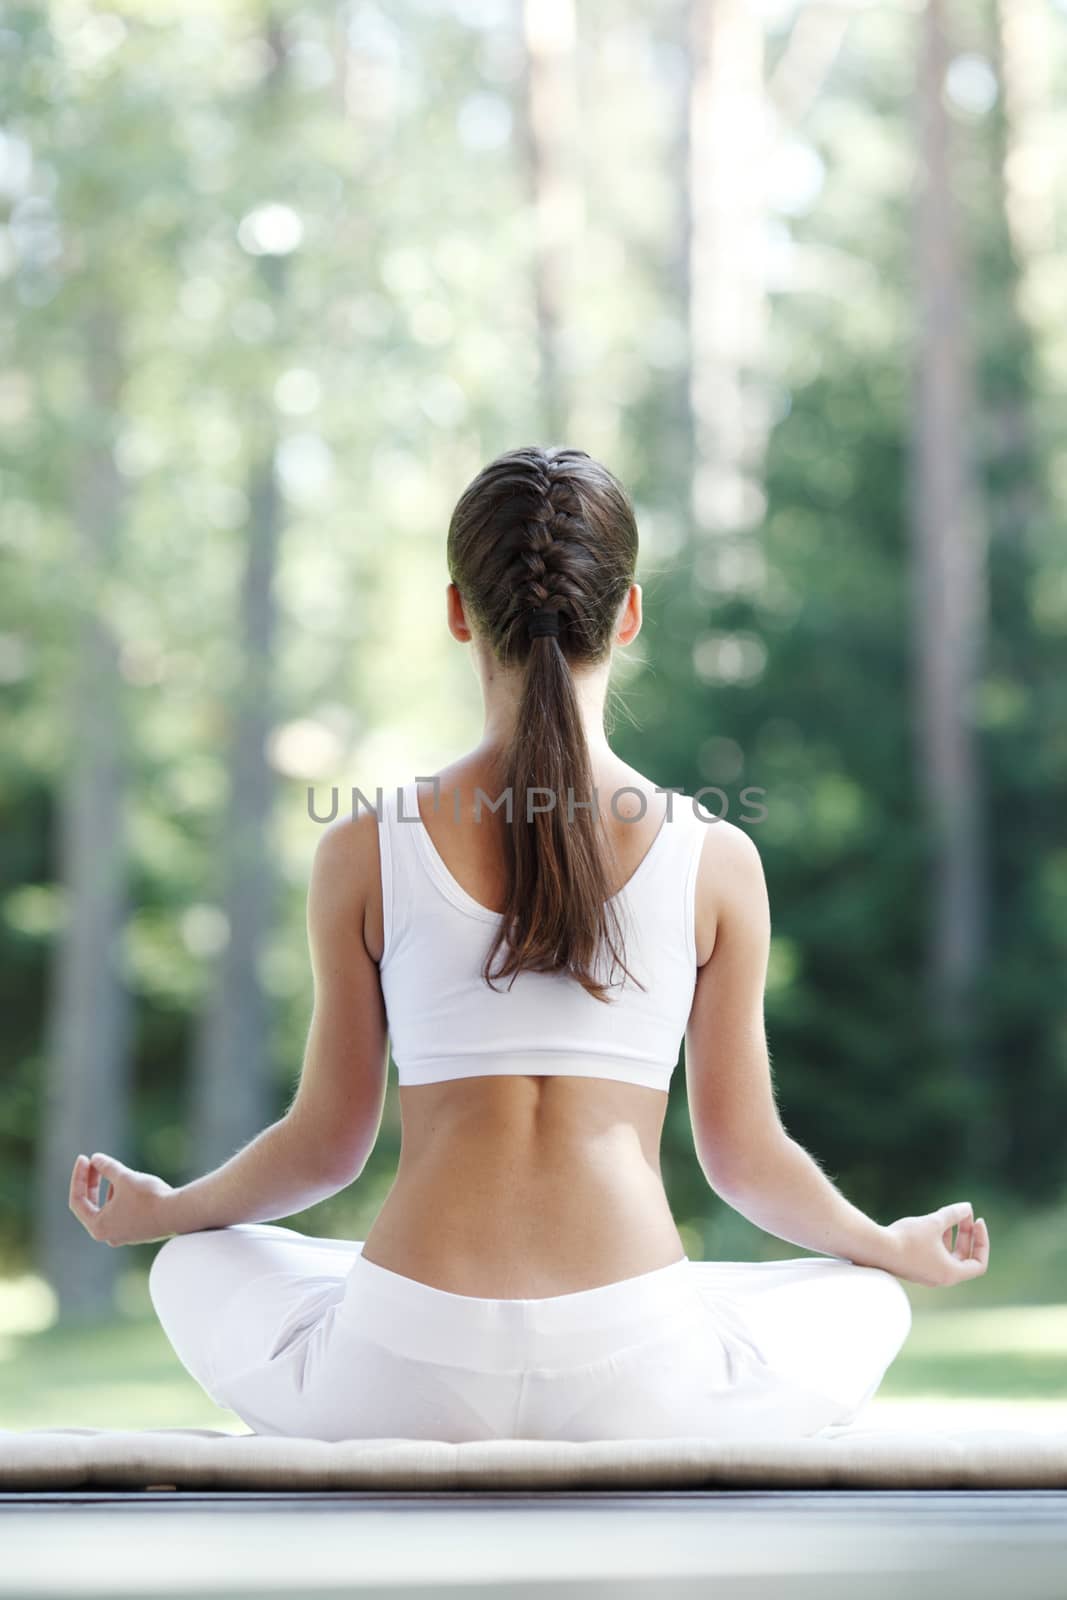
(323, 1141)
(743, 1149)
(273, 1176)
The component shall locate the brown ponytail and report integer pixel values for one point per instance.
(548, 529)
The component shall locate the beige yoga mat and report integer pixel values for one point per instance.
(875, 1457)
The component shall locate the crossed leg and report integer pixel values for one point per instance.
(821, 1322)
(231, 1298)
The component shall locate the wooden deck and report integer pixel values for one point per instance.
(782, 1545)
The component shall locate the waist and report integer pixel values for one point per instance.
(526, 1185)
(486, 1208)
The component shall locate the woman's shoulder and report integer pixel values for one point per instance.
(347, 851)
(731, 878)
(728, 852)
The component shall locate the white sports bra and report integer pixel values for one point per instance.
(446, 1022)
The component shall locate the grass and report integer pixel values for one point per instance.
(117, 1374)
(1005, 1353)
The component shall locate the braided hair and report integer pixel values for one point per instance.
(543, 533)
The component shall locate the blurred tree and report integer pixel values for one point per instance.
(725, 223)
(550, 149)
(232, 1093)
(71, 345)
(1014, 238)
(88, 1068)
(949, 590)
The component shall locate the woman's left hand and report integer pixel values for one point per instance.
(135, 1211)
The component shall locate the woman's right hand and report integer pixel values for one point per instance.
(922, 1246)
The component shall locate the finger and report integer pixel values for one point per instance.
(107, 1168)
(969, 1269)
(979, 1261)
(83, 1196)
(953, 1215)
(965, 1238)
(81, 1203)
(73, 1195)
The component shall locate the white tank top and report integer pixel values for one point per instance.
(446, 1022)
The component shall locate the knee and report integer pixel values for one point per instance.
(167, 1274)
(190, 1268)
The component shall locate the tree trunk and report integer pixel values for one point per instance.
(87, 1067)
(683, 441)
(949, 574)
(548, 120)
(232, 1094)
(727, 300)
(1023, 49)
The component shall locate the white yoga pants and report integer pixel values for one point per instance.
(302, 1336)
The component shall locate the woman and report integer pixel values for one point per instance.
(535, 976)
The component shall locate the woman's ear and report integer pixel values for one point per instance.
(630, 617)
(457, 621)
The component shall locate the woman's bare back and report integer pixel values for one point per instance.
(525, 1186)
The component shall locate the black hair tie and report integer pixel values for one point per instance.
(544, 620)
